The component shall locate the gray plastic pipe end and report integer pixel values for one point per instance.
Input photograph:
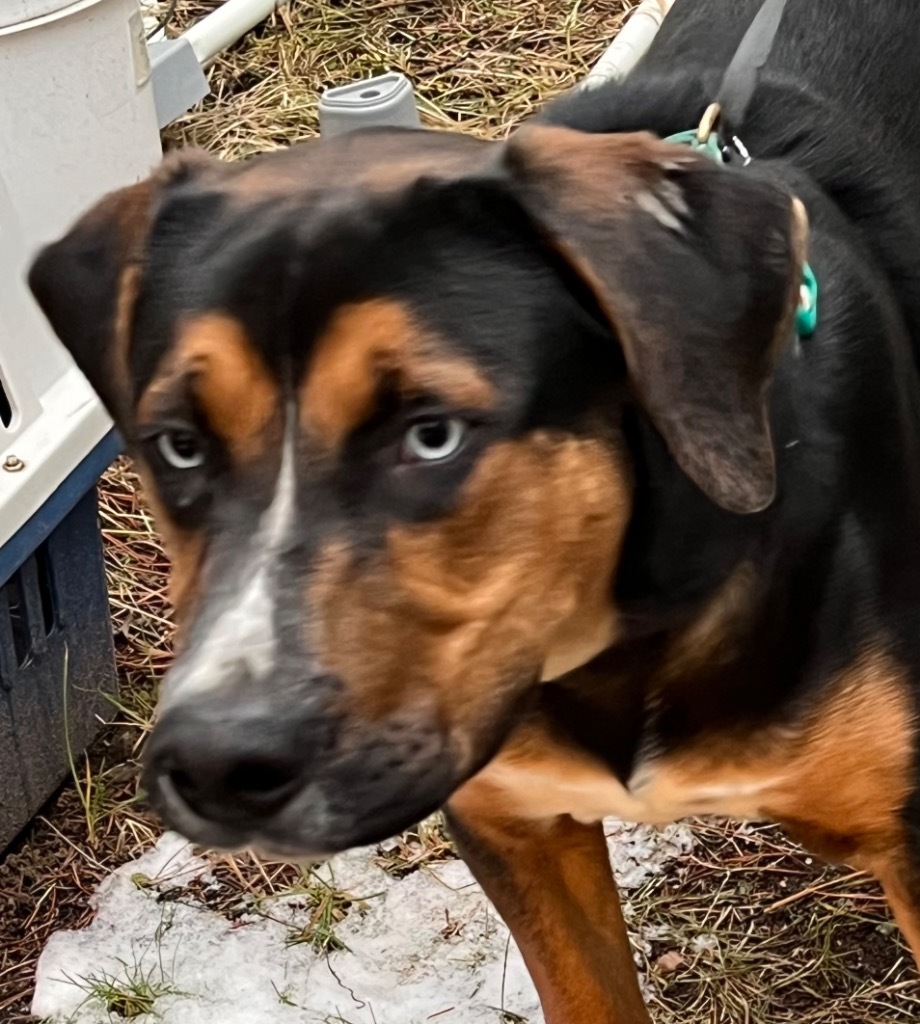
(384, 101)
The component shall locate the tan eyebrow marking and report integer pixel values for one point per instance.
(227, 376)
(366, 342)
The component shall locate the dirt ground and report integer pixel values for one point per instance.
(789, 940)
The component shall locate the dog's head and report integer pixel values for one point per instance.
(375, 387)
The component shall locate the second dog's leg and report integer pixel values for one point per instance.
(551, 882)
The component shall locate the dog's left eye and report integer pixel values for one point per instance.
(181, 449)
(434, 439)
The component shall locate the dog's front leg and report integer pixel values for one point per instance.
(551, 882)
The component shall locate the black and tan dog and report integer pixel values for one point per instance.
(495, 475)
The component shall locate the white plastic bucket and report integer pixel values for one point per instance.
(13, 12)
(77, 119)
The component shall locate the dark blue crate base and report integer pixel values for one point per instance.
(55, 631)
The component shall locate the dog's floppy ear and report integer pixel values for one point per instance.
(87, 282)
(698, 270)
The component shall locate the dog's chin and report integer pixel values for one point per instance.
(307, 830)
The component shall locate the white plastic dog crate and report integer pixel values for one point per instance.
(77, 119)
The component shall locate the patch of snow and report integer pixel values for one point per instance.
(704, 944)
(638, 852)
(428, 947)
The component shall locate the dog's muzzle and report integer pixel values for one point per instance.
(249, 773)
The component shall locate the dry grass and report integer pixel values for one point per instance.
(746, 929)
(749, 929)
(480, 65)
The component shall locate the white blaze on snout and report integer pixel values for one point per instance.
(242, 637)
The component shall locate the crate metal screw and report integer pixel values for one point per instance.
(13, 464)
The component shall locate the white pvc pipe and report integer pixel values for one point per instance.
(230, 22)
(634, 38)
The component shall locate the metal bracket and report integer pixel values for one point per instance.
(178, 81)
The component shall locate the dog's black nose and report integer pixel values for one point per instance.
(236, 766)
(224, 790)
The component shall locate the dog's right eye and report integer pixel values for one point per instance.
(181, 449)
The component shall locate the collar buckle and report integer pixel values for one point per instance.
(705, 140)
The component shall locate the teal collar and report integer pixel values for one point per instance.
(706, 141)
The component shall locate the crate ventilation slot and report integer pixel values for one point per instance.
(28, 612)
(6, 406)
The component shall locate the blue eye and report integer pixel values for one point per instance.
(434, 439)
(181, 449)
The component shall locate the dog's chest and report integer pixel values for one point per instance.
(845, 761)
(657, 792)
